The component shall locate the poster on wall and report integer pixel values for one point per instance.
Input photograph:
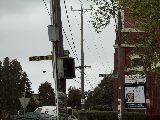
(135, 97)
(135, 91)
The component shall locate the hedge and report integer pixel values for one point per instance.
(133, 116)
(100, 115)
(111, 115)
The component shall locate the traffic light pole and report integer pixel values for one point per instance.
(57, 50)
(54, 64)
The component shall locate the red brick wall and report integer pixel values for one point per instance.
(128, 20)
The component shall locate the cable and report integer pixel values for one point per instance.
(80, 1)
(96, 47)
(70, 44)
(90, 84)
(46, 7)
(70, 30)
(96, 51)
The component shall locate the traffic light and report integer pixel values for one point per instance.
(69, 68)
(66, 68)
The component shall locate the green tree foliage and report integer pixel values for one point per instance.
(32, 105)
(102, 96)
(12, 85)
(103, 11)
(46, 94)
(74, 98)
(146, 14)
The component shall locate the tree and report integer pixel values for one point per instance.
(12, 76)
(146, 15)
(32, 105)
(103, 12)
(25, 85)
(74, 98)
(46, 94)
(102, 96)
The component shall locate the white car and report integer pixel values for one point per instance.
(50, 112)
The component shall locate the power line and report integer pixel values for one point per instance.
(70, 30)
(92, 55)
(46, 7)
(96, 48)
(70, 44)
(80, 1)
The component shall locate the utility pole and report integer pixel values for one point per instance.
(120, 77)
(82, 62)
(56, 38)
(82, 59)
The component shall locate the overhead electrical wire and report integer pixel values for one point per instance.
(74, 52)
(69, 44)
(80, 1)
(71, 34)
(46, 7)
(96, 49)
(90, 55)
(70, 30)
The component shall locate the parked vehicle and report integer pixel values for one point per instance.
(48, 112)
(29, 116)
(44, 113)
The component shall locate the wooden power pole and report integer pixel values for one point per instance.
(120, 77)
(57, 52)
(82, 59)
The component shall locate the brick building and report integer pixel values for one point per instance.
(139, 93)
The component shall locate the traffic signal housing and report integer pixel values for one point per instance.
(66, 68)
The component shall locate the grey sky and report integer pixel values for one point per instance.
(23, 33)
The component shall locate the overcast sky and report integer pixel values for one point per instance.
(23, 33)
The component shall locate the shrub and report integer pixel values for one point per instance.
(133, 116)
(100, 115)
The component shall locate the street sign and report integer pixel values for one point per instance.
(48, 57)
(38, 58)
(103, 75)
(106, 75)
(24, 101)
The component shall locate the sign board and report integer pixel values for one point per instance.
(102, 75)
(106, 75)
(38, 58)
(130, 79)
(135, 97)
(48, 57)
(24, 101)
(82, 101)
(135, 91)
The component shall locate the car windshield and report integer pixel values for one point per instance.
(38, 110)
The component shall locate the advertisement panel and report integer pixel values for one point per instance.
(135, 92)
(135, 97)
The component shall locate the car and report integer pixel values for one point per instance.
(29, 116)
(50, 112)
